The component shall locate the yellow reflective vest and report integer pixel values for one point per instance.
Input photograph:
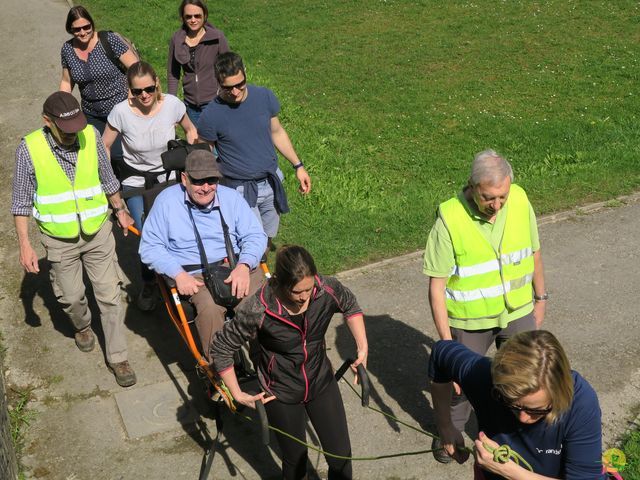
(60, 208)
(485, 282)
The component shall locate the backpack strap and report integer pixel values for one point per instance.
(103, 36)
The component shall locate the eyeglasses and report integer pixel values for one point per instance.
(239, 86)
(138, 91)
(197, 16)
(533, 412)
(198, 182)
(79, 29)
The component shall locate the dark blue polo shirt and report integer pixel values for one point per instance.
(570, 448)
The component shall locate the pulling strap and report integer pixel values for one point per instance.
(206, 266)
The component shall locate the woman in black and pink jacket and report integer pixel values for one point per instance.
(289, 317)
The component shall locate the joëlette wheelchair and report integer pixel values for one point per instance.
(173, 161)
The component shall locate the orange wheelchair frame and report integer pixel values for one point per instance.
(173, 305)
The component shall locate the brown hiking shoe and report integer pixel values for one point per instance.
(125, 376)
(85, 340)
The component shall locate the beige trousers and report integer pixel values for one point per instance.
(97, 254)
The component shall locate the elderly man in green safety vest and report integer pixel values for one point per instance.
(64, 179)
(486, 279)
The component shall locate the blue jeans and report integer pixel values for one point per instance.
(265, 208)
(136, 209)
(194, 111)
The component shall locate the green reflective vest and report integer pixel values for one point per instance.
(60, 208)
(485, 282)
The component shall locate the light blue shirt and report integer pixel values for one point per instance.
(168, 240)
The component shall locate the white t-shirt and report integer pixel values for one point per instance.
(145, 138)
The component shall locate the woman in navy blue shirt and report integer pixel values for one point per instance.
(527, 398)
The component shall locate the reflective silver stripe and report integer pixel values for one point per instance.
(477, 294)
(477, 269)
(89, 192)
(94, 212)
(490, 292)
(517, 283)
(49, 199)
(66, 196)
(517, 256)
(64, 218)
(491, 265)
(69, 217)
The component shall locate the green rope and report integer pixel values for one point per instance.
(504, 453)
(340, 457)
(501, 454)
(388, 415)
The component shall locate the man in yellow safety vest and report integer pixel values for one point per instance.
(64, 179)
(483, 260)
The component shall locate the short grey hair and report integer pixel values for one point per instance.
(489, 167)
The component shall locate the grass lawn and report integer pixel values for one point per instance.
(388, 101)
(631, 448)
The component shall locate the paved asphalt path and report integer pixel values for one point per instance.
(85, 425)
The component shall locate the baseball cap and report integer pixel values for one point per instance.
(202, 164)
(64, 110)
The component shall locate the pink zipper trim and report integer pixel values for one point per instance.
(302, 333)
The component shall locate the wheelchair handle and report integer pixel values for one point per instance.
(264, 423)
(363, 379)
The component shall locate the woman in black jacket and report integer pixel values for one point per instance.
(289, 317)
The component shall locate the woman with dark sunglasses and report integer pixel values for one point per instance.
(527, 398)
(146, 121)
(85, 63)
(193, 51)
(288, 317)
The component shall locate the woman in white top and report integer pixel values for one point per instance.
(146, 121)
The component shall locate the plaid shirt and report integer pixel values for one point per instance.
(24, 180)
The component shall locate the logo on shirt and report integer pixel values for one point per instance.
(550, 451)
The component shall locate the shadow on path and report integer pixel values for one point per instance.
(398, 357)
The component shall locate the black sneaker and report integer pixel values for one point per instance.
(440, 453)
(147, 298)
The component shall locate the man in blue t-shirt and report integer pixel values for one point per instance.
(242, 123)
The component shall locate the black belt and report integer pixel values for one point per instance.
(194, 267)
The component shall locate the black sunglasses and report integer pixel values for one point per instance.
(534, 412)
(79, 29)
(239, 86)
(197, 16)
(138, 91)
(198, 182)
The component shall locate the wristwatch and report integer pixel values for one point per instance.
(541, 298)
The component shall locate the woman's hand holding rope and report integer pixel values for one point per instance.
(249, 400)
